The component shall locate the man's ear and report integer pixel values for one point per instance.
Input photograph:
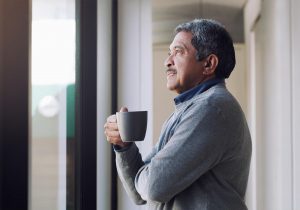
(210, 64)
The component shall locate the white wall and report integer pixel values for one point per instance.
(135, 71)
(272, 36)
(237, 82)
(103, 103)
(295, 85)
(163, 104)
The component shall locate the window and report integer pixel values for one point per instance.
(52, 105)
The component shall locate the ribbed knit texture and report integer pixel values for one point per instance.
(201, 161)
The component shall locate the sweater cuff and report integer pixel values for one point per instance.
(117, 148)
(128, 154)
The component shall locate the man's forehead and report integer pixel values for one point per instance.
(182, 40)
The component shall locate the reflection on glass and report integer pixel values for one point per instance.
(52, 104)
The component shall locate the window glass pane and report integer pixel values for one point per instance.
(52, 104)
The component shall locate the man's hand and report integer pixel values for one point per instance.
(112, 132)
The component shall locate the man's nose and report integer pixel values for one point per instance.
(169, 62)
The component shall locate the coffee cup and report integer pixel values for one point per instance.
(132, 125)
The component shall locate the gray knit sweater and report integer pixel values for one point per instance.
(201, 161)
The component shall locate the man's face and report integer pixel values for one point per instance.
(183, 70)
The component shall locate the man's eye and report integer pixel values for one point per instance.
(178, 51)
(175, 52)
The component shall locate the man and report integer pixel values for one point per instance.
(202, 159)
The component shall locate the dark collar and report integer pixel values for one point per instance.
(197, 90)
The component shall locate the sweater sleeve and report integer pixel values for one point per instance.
(128, 162)
(196, 146)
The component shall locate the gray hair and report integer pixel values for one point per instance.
(210, 37)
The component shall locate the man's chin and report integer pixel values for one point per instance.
(171, 87)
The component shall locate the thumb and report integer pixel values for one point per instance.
(123, 109)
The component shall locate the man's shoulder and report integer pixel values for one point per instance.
(217, 97)
(217, 93)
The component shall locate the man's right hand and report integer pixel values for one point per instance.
(112, 132)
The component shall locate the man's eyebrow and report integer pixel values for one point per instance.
(178, 47)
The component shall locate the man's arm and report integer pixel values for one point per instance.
(197, 145)
(128, 163)
(128, 158)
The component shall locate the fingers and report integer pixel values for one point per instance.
(111, 126)
(112, 136)
(112, 119)
(123, 109)
(111, 123)
(111, 129)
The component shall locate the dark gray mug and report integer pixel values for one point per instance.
(132, 125)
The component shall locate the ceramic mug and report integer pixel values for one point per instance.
(132, 125)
